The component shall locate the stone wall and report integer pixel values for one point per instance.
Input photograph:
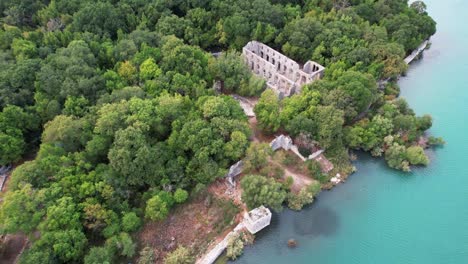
(254, 221)
(257, 219)
(283, 75)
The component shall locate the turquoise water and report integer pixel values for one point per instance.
(383, 216)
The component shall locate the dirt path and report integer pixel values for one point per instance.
(300, 180)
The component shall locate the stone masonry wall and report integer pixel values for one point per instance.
(283, 75)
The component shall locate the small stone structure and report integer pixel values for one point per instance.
(234, 170)
(281, 141)
(3, 175)
(257, 219)
(283, 75)
(254, 221)
(285, 142)
(417, 52)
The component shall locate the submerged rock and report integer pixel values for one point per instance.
(292, 243)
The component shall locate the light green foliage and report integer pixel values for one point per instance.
(21, 210)
(258, 190)
(76, 106)
(23, 49)
(297, 201)
(156, 208)
(98, 255)
(257, 155)
(65, 131)
(234, 247)
(181, 255)
(130, 222)
(180, 195)
(267, 111)
(396, 157)
(304, 197)
(149, 70)
(416, 156)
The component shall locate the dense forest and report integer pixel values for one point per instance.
(116, 98)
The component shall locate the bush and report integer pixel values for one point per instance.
(314, 168)
(179, 256)
(433, 141)
(235, 247)
(297, 201)
(180, 195)
(416, 156)
(146, 256)
(130, 222)
(121, 245)
(156, 209)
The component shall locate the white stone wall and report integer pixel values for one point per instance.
(283, 75)
(257, 219)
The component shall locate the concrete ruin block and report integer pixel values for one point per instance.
(257, 219)
(283, 75)
(281, 141)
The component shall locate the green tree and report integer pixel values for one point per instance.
(21, 210)
(257, 155)
(156, 208)
(23, 49)
(330, 125)
(130, 222)
(122, 245)
(180, 195)
(267, 111)
(230, 69)
(416, 156)
(149, 70)
(98, 255)
(258, 190)
(66, 131)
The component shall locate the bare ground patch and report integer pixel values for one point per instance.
(193, 225)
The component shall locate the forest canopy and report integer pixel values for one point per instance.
(117, 99)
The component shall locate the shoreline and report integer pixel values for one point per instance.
(415, 55)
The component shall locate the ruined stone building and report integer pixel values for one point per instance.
(283, 75)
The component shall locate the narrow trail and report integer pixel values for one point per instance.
(300, 180)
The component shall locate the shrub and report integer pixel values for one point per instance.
(297, 201)
(235, 247)
(130, 222)
(179, 256)
(180, 195)
(146, 256)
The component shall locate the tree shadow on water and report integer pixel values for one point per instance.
(316, 222)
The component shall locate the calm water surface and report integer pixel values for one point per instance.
(384, 216)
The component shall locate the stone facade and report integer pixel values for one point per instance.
(257, 219)
(283, 75)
